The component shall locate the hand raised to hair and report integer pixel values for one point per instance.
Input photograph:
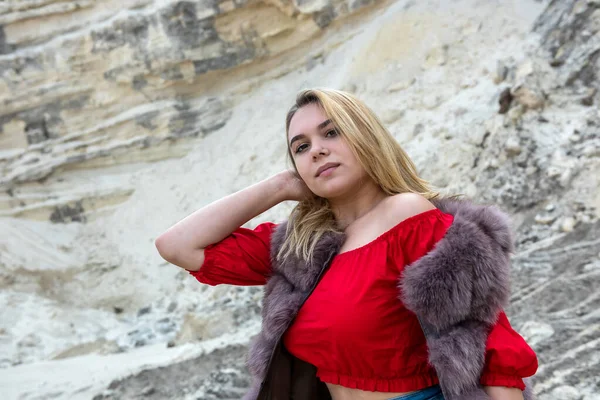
(292, 185)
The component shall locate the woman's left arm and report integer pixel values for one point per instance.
(508, 361)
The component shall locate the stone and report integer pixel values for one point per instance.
(436, 57)
(311, 6)
(512, 147)
(402, 85)
(591, 151)
(515, 114)
(501, 72)
(527, 97)
(588, 97)
(165, 326)
(148, 391)
(524, 70)
(144, 311)
(575, 138)
(505, 100)
(544, 219)
(568, 224)
(389, 116)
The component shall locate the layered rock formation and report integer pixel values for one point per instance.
(119, 118)
(89, 84)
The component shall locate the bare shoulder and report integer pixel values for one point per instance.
(405, 205)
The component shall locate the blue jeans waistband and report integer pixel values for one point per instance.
(430, 393)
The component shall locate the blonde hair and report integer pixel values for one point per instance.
(385, 162)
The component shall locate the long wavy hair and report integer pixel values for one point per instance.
(382, 157)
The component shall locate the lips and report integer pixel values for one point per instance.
(326, 166)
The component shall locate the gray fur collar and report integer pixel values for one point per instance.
(456, 290)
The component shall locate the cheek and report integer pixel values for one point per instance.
(302, 168)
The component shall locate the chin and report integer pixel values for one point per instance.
(330, 190)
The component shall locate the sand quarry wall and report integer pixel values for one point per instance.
(118, 118)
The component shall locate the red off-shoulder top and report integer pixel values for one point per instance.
(353, 327)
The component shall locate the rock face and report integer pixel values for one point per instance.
(119, 118)
(88, 84)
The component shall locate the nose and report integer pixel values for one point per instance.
(318, 150)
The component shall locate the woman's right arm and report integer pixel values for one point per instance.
(183, 244)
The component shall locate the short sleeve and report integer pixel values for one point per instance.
(421, 232)
(508, 358)
(242, 258)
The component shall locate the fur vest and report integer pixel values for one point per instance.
(456, 309)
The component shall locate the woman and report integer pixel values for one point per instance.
(376, 288)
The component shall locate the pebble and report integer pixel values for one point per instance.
(501, 72)
(391, 115)
(150, 390)
(165, 326)
(566, 177)
(524, 70)
(432, 101)
(512, 147)
(544, 219)
(531, 170)
(492, 163)
(591, 151)
(144, 310)
(436, 57)
(403, 85)
(504, 100)
(588, 98)
(553, 172)
(527, 98)
(568, 224)
(515, 113)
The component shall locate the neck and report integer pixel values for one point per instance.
(350, 208)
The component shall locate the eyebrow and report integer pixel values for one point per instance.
(302, 135)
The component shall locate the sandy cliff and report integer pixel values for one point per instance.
(119, 118)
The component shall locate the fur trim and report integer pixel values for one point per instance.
(457, 291)
(260, 355)
(476, 393)
(528, 392)
(448, 353)
(303, 273)
(253, 392)
(466, 275)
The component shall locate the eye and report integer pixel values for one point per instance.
(331, 133)
(301, 148)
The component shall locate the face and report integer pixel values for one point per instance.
(323, 158)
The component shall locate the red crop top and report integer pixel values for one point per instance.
(353, 328)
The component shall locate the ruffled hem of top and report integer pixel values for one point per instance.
(492, 379)
(207, 265)
(201, 277)
(404, 384)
